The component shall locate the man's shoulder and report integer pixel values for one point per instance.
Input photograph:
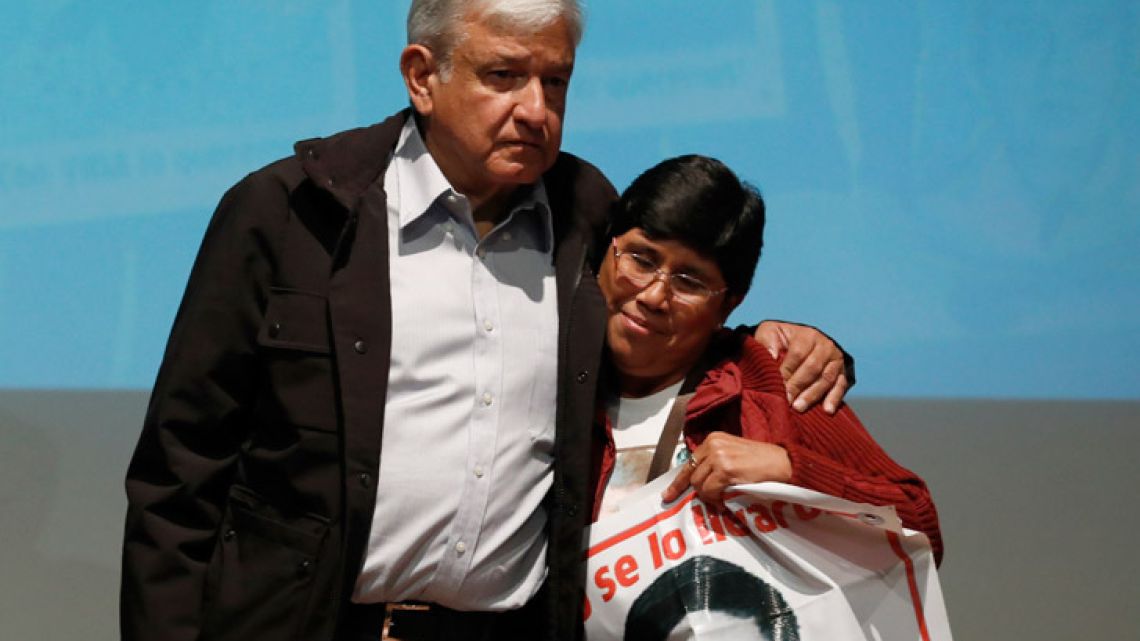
(348, 162)
(343, 164)
(283, 173)
(578, 188)
(574, 172)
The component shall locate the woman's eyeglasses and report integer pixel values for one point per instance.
(640, 270)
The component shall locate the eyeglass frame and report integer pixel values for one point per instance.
(661, 274)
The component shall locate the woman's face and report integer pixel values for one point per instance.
(655, 338)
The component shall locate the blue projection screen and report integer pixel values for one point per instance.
(953, 188)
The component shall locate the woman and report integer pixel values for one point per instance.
(684, 242)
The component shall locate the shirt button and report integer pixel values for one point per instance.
(481, 252)
(478, 471)
(488, 325)
(460, 547)
(506, 235)
(487, 398)
(360, 346)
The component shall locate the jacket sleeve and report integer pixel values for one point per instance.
(836, 455)
(187, 455)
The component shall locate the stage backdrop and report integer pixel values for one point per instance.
(954, 188)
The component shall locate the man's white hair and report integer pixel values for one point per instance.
(435, 23)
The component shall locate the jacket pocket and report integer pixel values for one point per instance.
(295, 350)
(261, 578)
(295, 320)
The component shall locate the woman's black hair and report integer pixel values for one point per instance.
(705, 583)
(699, 201)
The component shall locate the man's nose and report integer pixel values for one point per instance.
(531, 103)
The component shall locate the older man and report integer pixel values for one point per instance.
(372, 415)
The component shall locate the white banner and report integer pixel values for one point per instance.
(782, 563)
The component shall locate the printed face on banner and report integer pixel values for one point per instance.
(705, 594)
(784, 564)
(715, 620)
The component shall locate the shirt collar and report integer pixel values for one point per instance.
(421, 183)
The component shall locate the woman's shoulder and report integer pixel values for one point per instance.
(747, 378)
(739, 353)
(734, 365)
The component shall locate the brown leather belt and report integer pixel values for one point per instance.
(414, 621)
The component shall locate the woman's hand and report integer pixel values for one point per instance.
(724, 460)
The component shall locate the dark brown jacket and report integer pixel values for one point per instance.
(252, 489)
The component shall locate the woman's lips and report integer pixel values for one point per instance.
(636, 325)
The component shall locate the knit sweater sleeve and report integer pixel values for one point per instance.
(836, 455)
(744, 394)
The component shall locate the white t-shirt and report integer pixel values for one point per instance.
(637, 425)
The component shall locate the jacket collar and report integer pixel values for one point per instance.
(347, 163)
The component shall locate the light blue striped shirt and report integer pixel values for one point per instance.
(469, 417)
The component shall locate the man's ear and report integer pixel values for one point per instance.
(418, 66)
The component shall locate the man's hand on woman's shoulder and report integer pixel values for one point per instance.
(814, 366)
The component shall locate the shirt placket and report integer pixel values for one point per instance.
(486, 410)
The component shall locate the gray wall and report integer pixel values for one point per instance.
(1036, 501)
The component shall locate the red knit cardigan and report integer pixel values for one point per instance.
(743, 394)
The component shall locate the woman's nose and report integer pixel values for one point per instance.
(656, 293)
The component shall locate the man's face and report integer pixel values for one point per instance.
(495, 120)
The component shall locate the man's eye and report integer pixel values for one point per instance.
(501, 77)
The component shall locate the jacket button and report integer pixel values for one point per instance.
(582, 376)
(365, 479)
(571, 510)
(303, 567)
(360, 346)
(274, 330)
(229, 535)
